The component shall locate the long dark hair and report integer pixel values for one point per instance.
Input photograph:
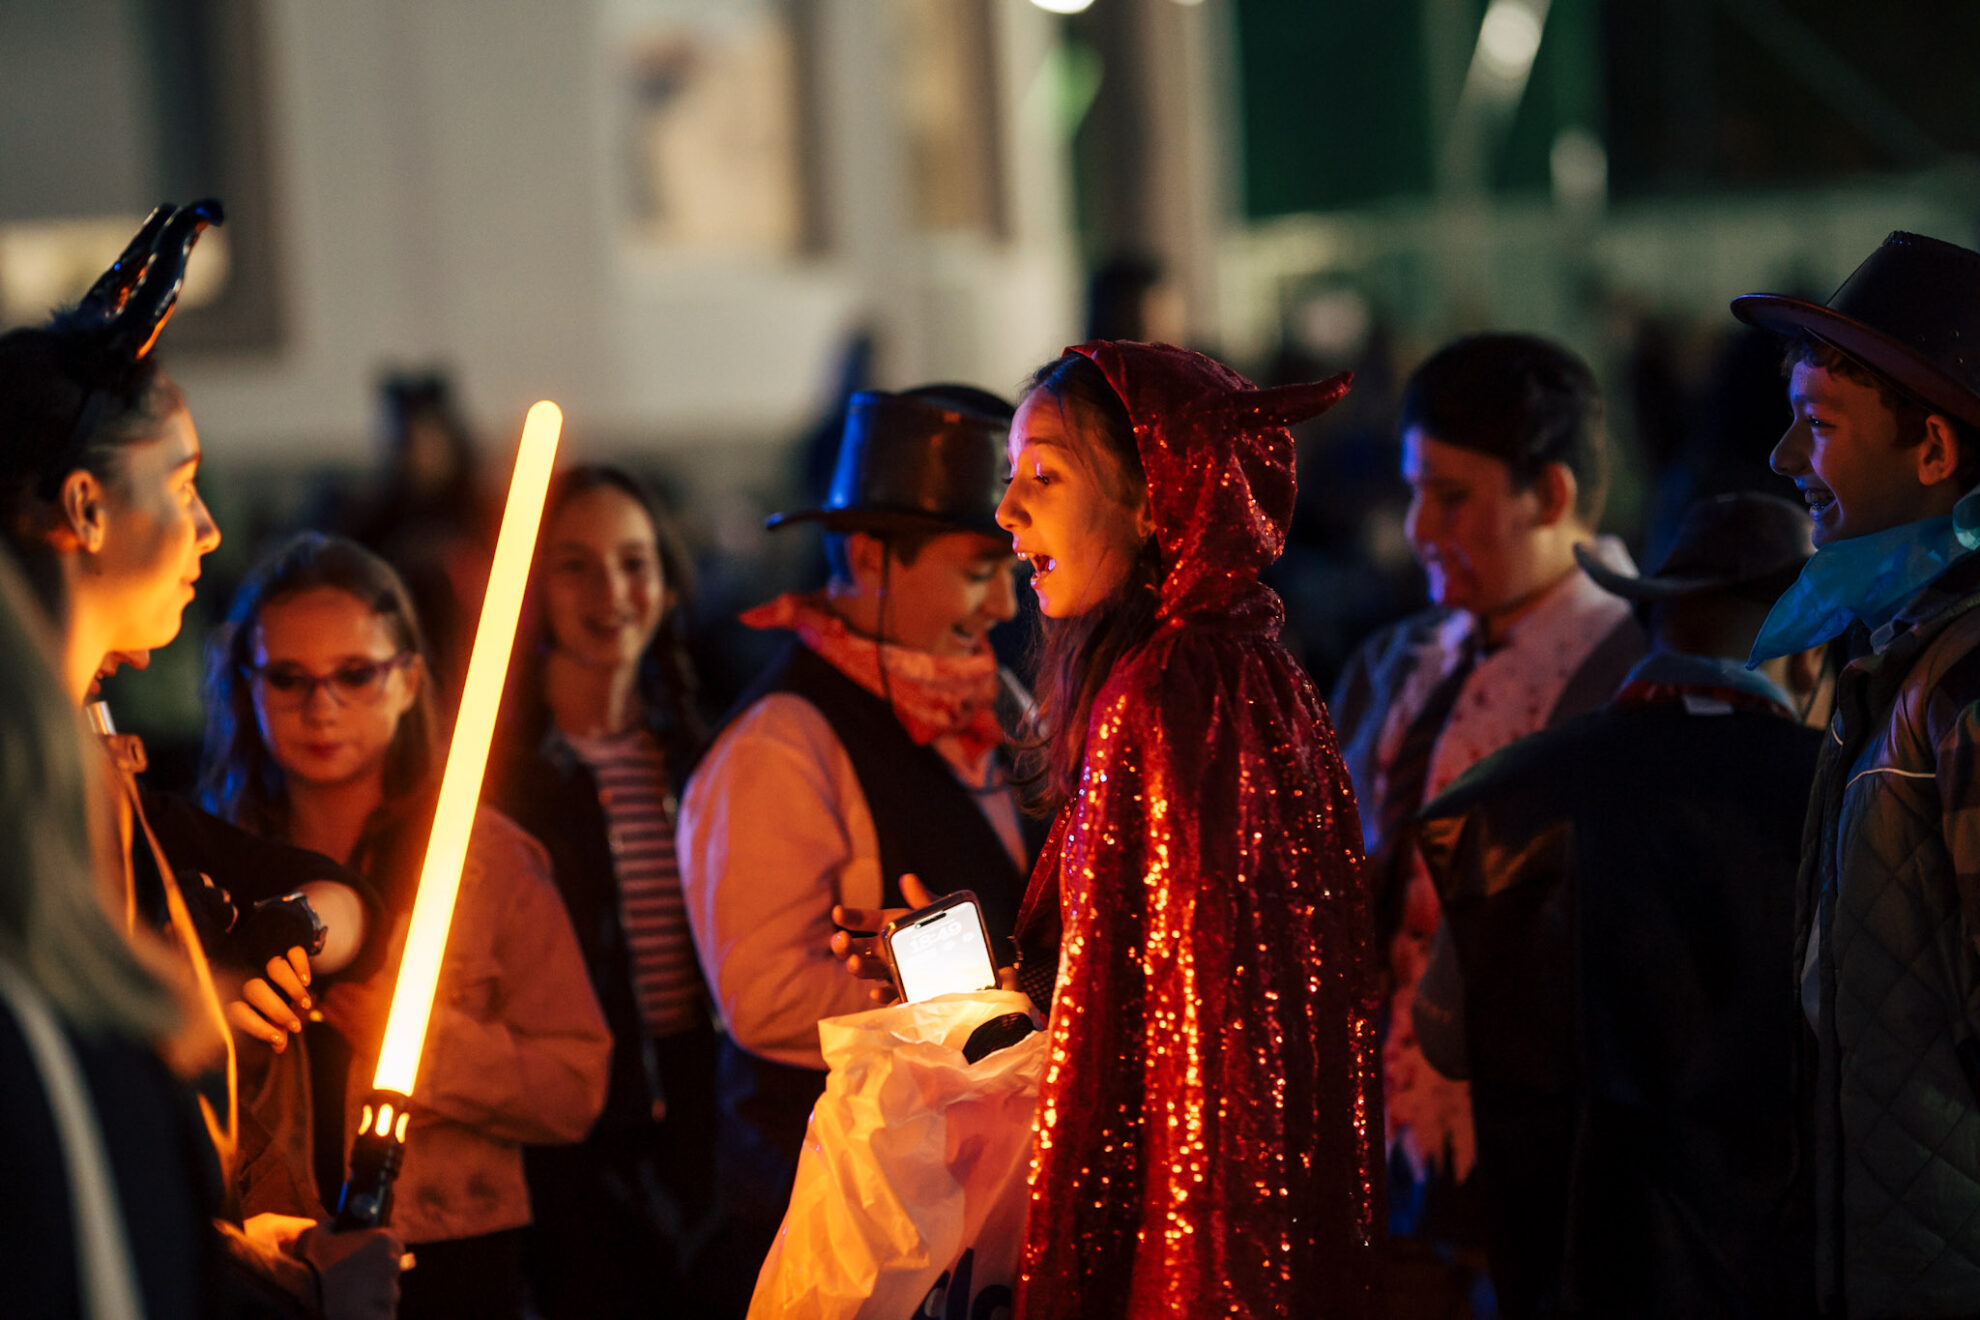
(1072, 657)
(239, 779)
(668, 686)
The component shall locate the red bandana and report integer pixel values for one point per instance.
(932, 695)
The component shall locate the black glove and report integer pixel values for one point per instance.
(271, 928)
(212, 908)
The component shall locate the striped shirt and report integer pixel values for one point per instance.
(639, 819)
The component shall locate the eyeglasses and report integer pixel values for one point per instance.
(290, 686)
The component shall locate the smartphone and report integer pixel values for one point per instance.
(941, 949)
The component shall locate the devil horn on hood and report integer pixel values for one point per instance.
(149, 306)
(1285, 405)
(107, 296)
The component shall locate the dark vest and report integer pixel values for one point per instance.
(928, 824)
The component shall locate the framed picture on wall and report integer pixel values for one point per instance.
(712, 136)
(946, 98)
(112, 106)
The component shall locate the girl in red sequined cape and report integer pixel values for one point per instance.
(1209, 1120)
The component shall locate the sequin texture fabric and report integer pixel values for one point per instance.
(1209, 1118)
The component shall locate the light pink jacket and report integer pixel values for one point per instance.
(516, 1054)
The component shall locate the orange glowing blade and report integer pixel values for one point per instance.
(467, 759)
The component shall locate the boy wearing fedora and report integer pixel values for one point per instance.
(1884, 447)
(873, 747)
(1614, 977)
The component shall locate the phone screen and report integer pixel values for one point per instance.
(942, 953)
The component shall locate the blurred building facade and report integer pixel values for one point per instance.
(668, 214)
(698, 223)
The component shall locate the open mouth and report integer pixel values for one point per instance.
(1041, 564)
(1820, 500)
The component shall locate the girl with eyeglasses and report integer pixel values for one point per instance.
(321, 732)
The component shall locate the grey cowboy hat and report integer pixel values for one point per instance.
(1747, 542)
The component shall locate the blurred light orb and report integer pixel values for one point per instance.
(1334, 326)
(1063, 6)
(1508, 39)
(1579, 165)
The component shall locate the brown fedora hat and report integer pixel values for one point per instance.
(1746, 542)
(1911, 311)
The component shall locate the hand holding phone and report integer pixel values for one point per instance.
(856, 942)
(940, 949)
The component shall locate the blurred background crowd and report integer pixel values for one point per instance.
(700, 224)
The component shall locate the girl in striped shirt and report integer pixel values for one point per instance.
(598, 733)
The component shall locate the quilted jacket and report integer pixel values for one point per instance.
(1889, 898)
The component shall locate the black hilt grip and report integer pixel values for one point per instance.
(366, 1201)
(271, 928)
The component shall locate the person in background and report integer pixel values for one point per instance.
(428, 517)
(1884, 447)
(321, 732)
(599, 727)
(1203, 1138)
(1619, 894)
(871, 750)
(1503, 450)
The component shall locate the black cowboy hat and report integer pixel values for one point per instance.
(1911, 311)
(1747, 542)
(927, 459)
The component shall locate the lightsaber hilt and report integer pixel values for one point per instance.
(366, 1201)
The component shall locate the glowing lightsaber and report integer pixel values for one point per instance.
(380, 1141)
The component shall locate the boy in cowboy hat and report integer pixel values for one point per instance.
(870, 750)
(1885, 450)
(1618, 892)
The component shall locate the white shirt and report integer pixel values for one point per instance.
(774, 829)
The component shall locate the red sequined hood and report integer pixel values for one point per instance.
(1207, 1136)
(1219, 463)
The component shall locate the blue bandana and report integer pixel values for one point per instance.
(1866, 579)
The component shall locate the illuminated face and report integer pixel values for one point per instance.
(604, 590)
(1841, 450)
(946, 602)
(1476, 537)
(1066, 513)
(331, 686)
(156, 529)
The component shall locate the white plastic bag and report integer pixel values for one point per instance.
(911, 1190)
